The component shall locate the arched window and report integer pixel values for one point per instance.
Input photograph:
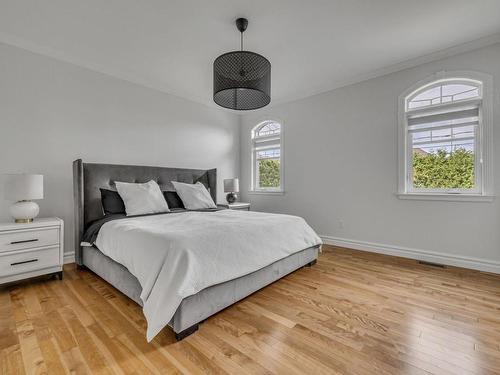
(267, 162)
(443, 138)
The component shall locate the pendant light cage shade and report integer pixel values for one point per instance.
(242, 80)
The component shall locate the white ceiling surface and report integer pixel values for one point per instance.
(313, 46)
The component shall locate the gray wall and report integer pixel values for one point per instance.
(53, 112)
(340, 149)
(341, 165)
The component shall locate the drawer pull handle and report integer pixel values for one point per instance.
(23, 241)
(24, 261)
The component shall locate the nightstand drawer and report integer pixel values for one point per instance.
(29, 261)
(27, 239)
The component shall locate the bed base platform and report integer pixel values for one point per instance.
(194, 309)
(310, 264)
(187, 332)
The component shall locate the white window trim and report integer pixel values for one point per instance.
(486, 190)
(450, 197)
(268, 191)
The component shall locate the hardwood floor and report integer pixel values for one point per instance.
(351, 313)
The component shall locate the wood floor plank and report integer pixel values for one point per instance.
(31, 353)
(74, 362)
(11, 361)
(218, 358)
(60, 330)
(113, 354)
(91, 354)
(48, 346)
(352, 313)
(239, 357)
(251, 350)
(8, 334)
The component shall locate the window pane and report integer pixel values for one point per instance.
(426, 97)
(441, 134)
(433, 124)
(466, 144)
(269, 154)
(421, 137)
(463, 132)
(270, 128)
(269, 173)
(266, 151)
(460, 91)
(445, 93)
(444, 165)
(467, 94)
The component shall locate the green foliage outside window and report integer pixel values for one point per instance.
(269, 173)
(443, 170)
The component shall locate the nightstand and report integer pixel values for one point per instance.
(31, 249)
(236, 206)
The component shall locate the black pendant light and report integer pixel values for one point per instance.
(242, 79)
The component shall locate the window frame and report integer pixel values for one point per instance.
(254, 188)
(483, 147)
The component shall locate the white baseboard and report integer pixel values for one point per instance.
(425, 255)
(69, 257)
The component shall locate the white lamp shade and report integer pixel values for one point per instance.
(23, 187)
(231, 185)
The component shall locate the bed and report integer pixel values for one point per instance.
(89, 178)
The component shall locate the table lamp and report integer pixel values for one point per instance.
(22, 189)
(231, 186)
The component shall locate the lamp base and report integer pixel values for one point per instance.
(23, 221)
(231, 197)
(24, 211)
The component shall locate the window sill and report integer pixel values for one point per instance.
(446, 197)
(263, 192)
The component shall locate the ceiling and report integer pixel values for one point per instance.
(313, 46)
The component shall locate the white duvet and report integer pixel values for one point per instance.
(179, 254)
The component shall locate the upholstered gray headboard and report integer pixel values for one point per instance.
(88, 178)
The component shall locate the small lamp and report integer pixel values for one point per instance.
(22, 189)
(231, 186)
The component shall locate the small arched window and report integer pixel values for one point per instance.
(267, 162)
(443, 138)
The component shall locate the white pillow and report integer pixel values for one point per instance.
(194, 196)
(142, 199)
